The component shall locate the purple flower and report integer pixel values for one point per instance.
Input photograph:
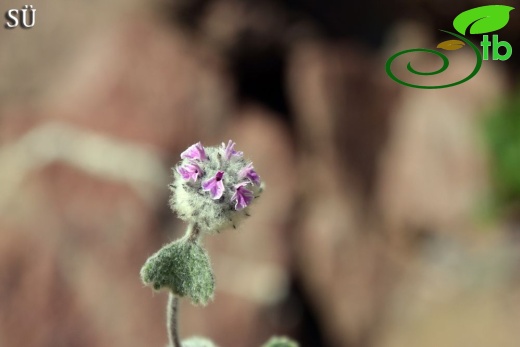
(214, 185)
(189, 171)
(230, 151)
(242, 196)
(249, 173)
(195, 151)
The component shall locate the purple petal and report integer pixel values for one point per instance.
(195, 151)
(249, 173)
(229, 151)
(214, 185)
(242, 196)
(189, 171)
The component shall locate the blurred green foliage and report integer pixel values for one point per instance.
(280, 341)
(502, 136)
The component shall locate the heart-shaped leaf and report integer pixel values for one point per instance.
(451, 45)
(483, 19)
(182, 267)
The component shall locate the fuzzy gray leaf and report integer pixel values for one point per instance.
(182, 267)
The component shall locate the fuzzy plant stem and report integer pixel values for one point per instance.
(171, 320)
(192, 235)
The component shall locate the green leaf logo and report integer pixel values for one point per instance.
(482, 20)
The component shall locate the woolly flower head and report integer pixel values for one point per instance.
(213, 187)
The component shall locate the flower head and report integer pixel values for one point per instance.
(214, 186)
(195, 151)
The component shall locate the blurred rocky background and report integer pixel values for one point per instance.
(391, 216)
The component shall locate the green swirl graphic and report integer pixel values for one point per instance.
(445, 64)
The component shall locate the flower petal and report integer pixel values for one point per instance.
(249, 173)
(189, 171)
(229, 151)
(214, 185)
(242, 196)
(195, 151)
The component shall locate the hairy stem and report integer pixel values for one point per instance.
(171, 320)
(193, 233)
